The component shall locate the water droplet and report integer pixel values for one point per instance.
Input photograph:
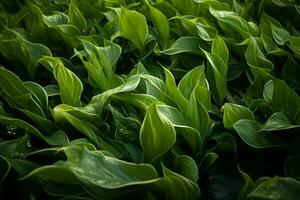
(11, 130)
(29, 143)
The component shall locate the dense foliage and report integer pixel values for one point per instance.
(150, 99)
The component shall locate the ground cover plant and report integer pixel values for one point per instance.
(150, 99)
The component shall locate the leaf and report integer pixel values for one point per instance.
(276, 188)
(274, 90)
(186, 44)
(198, 114)
(70, 85)
(172, 182)
(255, 57)
(235, 112)
(133, 20)
(100, 64)
(157, 135)
(4, 168)
(173, 92)
(187, 167)
(217, 72)
(15, 47)
(183, 126)
(253, 134)
(161, 23)
(55, 139)
(113, 173)
(24, 96)
(75, 16)
(219, 48)
(280, 35)
(188, 83)
(206, 32)
(248, 185)
(207, 161)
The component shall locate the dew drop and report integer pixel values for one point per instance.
(29, 143)
(11, 130)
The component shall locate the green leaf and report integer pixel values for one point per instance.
(253, 134)
(188, 83)
(173, 92)
(75, 16)
(183, 126)
(206, 32)
(55, 139)
(219, 48)
(100, 64)
(112, 174)
(133, 27)
(275, 90)
(160, 23)
(24, 96)
(185, 44)
(187, 167)
(280, 35)
(70, 85)
(233, 113)
(248, 185)
(4, 168)
(276, 188)
(157, 135)
(197, 113)
(217, 75)
(255, 57)
(172, 182)
(15, 47)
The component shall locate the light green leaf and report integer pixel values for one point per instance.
(70, 85)
(75, 16)
(93, 167)
(235, 112)
(99, 64)
(217, 75)
(172, 182)
(280, 35)
(133, 27)
(160, 23)
(157, 135)
(219, 48)
(255, 57)
(206, 32)
(173, 92)
(185, 44)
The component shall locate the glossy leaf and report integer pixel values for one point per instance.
(133, 20)
(157, 135)
(69, 84)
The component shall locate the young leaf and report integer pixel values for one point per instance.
(157, 135)
(235, 112)
(133, 20)
(70, 85)
(160, 23)
(75, 16)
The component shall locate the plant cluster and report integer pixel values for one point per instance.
(150, 99)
